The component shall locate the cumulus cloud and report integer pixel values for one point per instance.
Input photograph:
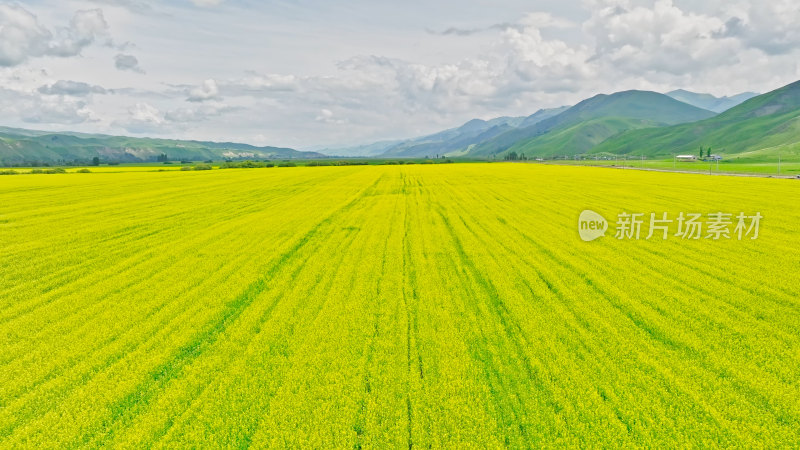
(23, 37)
(143, 118)
(127, 62)
(32, 108)
(662, 38)
(84, 28)
(71, 88)
(58, 111)
(207, 90)
(770, 26)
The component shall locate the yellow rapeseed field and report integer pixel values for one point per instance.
(445, 305)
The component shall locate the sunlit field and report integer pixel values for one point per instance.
(444, 305)
(761, 166)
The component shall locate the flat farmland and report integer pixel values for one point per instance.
(448, 305)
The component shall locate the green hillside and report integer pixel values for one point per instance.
(590, 122)
(762, 125)
(28, 146)
(580, 137)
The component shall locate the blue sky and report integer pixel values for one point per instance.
(310, 74)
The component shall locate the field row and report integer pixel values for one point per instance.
(384, 306)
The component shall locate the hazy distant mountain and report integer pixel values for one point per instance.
(450, 141)
(367, 150)
(764, 124)
(590, 122)
(709, 102)
(18, 146)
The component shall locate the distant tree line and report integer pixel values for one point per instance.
(513, 156)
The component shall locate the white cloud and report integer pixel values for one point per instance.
(143, 118)
(84, 28)
(207, 90)
(29, 107)
(22, 37)
(768, 26)
(52, 110)
(662, 38)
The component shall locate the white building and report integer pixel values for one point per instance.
(686, 158)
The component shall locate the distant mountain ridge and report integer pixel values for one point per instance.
(18, 146)
(764, 124)
(454, 140)
(566, 130)
(709, 102)
(590, 122)
(630, 122)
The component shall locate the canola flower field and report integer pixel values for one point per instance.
(393, 306)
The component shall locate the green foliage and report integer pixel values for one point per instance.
(52, 171)
(197, 167)
(244, 165)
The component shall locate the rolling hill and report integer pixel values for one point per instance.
(764, 124)
(18, 146)
(590, 122)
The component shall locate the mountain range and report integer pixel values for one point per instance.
(571, 130)
(709, 102)
(19, 146)
(760, 126)
(640, 123)
(453, 141)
